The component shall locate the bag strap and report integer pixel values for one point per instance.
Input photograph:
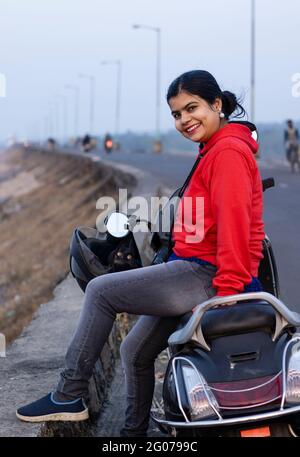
(186, 182)
(180, 195)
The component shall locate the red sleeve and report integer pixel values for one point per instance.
(257, 226)
(231, 200)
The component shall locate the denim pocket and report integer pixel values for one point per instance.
(206, 273)
(210, 290)
(204, 270)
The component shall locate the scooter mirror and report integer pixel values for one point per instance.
(117, 225)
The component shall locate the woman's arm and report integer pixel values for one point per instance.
(231, 199)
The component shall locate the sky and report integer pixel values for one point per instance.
(45, 44)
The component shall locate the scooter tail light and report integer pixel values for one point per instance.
(202, 401)
(293, 376)
(249, 393)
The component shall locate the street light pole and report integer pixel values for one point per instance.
(92, 96)
(253, 49)
(51, 122)
(118, 98)
(76, 106)
(65, 116)
(158, 72)
(46, 127)
(56, 118)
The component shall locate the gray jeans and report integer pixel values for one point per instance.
(161, 294)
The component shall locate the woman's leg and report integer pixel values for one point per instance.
(147, 339)
(165, 290)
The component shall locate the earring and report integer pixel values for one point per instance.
(222, 115)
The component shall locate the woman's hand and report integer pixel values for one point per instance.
(223, 305)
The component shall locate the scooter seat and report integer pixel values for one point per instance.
(240, 318)
(236, 319)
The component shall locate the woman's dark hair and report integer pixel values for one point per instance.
(203, 84)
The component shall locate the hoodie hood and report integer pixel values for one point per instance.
(240, 130)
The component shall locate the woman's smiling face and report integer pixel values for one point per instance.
(194, 118)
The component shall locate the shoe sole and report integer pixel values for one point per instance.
(84, 415)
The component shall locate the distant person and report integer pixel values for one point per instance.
(86, 143)
(291, 140)
(51, 143)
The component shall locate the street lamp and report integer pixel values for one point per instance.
(157, 30)
(55, 118)
(92, 96)
(65, 115)
(47, 133)
(253, 60)
(51, 121)
(75, 89)
(118, 98)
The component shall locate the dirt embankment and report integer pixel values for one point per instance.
(43, 197)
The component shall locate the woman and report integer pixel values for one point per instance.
(223, 261)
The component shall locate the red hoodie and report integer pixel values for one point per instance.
(228, 219)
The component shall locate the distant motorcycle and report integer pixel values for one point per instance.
(88, 144)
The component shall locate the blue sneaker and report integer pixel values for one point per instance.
(47, 409)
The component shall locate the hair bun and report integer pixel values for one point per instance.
(231, 105)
